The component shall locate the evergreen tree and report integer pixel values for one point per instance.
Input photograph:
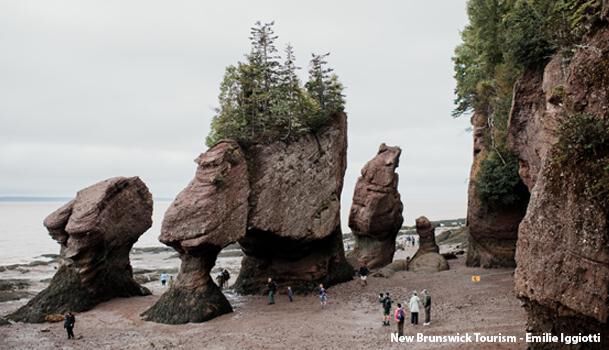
(263, 62)
(323, 86)
(335, 100)
(230, 119)
(262, 100)
(318, 79)
(289, 96)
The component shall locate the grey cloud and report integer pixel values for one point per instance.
(97, 89)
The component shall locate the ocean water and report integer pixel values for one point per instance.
(23, 237)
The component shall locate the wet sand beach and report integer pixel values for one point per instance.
(352, 319)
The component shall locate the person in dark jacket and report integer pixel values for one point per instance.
(272, 287)
(387, 303)
(363, 274)
(427, 307)
(68, 324)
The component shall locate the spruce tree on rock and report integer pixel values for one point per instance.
(262, 100)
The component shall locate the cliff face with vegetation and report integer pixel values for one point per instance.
(560, 130)
(550, 61)
(493, 228)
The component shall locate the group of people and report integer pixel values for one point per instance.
(272, 290)
(411, 241)
(399, 314)
(222, 278)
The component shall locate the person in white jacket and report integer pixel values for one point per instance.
(413, 305)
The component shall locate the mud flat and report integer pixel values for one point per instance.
(351, 320)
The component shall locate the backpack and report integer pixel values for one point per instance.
(387, 303)
(401, 315)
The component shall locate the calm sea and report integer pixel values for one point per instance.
(23, 237)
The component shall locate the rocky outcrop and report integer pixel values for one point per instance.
(427, 257)
(293, 227)
(376, 213)
(389, 270)
(562, 255)
(492, 232)
(96, 231)
(428, 263)
(279, 201)
(208, 215)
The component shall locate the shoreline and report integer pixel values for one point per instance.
(352, 318)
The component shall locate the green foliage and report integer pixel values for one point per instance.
(515, 35)
(582, 156)
(504, 38)
(498, 184)
(526, 43)
(262, 100)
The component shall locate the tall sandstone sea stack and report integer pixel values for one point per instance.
(96, 231)
(559, 127)
(209, 214)
(279, 201)
(492, 231)
(376, 213)
(293, 227)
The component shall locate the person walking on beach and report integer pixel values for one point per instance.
(272, 287)
(68, 324)
(363, 274)
(400, 316)
(164, 277)
(427, 307)
(290, 294)
(387, 302)
(382, 302)
(323, 296)
(413, 305)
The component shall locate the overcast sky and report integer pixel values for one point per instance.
(95, 89)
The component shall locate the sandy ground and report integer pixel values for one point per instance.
(351, 320)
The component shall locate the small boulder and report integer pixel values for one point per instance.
(428, 262)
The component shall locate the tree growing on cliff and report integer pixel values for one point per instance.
(262, 100)
(501, 41)
(325, 88)
(498, 184)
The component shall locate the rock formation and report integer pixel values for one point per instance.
(427, 258)
(96, 231)
(562, 255)
(376, 212)
(279, 201)
(209, 214)
(389, 270)
(293, 228)
(492, 232)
